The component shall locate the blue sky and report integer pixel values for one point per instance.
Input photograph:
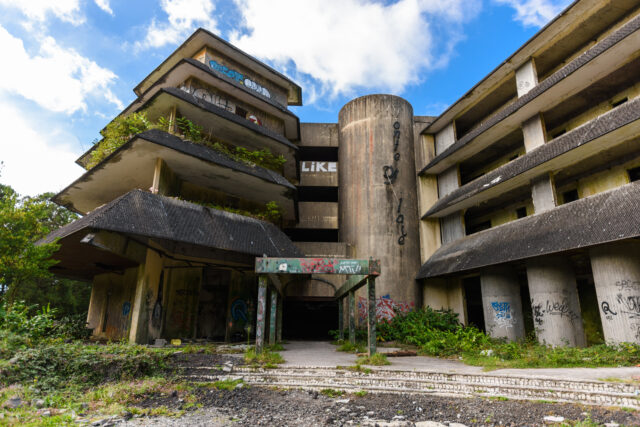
(69, 66)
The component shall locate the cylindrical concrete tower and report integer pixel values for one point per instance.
(378, 209)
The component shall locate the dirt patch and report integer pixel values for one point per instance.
(264, 406)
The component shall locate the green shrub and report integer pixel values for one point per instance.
(116, 133)
(413, 326)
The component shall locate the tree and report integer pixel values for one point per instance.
(24, 267)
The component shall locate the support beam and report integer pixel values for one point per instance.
(273, 317)
(317, 266)
(262, 308)
(371, 285)
(352, 284)
(352, 317)
(279, 320)
(340, 319)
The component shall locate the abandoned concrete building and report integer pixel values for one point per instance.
(518, 207)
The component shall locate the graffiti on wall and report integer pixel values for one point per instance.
(390, 173)
(625, 303)
(386, 308)
(220, 102)
(239, 310)
(551, 307)
(503, 316)
(319, 167)
(239, 77)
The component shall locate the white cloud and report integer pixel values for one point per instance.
(32, 163)
(58, 79)
(38, 10)
(535, 13)
(104, 5)
(183, 17)
(348, 44)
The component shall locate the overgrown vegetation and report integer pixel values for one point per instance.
(332, 393)
(228, 384)
(377, 359)
(439, 333)
(267, 359)
(272, 212)
(123, 128)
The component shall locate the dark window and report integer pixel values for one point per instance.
(620, 102)
(317, 194)
(471, 229)
(521, 212)
(241, 112)
(634, 174)
(559, 133)
(570, 196)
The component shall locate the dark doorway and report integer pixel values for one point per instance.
(473, 299)
(309, 318)
(212, 305)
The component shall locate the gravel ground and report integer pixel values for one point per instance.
(251, 406)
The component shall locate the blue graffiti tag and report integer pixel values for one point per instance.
(502, 309)
(239, 310)
(226, 71)
(126, 308)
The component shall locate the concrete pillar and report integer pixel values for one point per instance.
(543, 193)
(352, 317)
(526, 77)
(616, 273)
(534, 133)
(554, 302)
(501, 303)
(378, 197)
(452, 226)
(279, 319)
(273, 316)
(371, 311)
(341, 319)
(262, 312)
(445, 138)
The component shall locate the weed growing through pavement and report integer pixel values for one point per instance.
(329, 392)
(377, 359)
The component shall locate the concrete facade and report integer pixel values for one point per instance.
(446, 203)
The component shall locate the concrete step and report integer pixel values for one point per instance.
(421, 382)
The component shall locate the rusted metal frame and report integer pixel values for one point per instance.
(317, 266)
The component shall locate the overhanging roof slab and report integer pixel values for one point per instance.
(132, 167)
(603, 218)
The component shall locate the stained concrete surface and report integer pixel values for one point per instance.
(324, 354)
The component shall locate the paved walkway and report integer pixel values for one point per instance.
(323, 354)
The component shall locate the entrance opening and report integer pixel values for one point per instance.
(473, 301)
(212, 305)
(309, 318)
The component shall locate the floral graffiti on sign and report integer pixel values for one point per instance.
(386, 308)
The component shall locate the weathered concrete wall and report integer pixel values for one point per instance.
(501, 303)
(616, 273)
(241, 305)
(554, 301)
(326, 249)
(110, 306)
(318, 215)
(442, 294)
(181, 314)
(318, 135)
(145, 321)
(378, 198)
(319, 173)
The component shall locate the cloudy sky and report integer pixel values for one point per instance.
(69, 66)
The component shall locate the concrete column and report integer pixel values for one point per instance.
(262, 312)
(526, 77)
(279, 319)
(371, 311)
(543, 193)
(341, 319)
(452, 226)
(273, 316)
(352, 317)
(534, 133)
(616, 273)
(554, 302)
(445, 138)
(378, 209)
(501, 303)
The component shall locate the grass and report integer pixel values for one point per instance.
(355, 368)
(227, 384)
(332, 393)
(267, 359)
(361, 393)
(377, 359)
(347, 347)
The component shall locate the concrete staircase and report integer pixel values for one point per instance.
(599, 393)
